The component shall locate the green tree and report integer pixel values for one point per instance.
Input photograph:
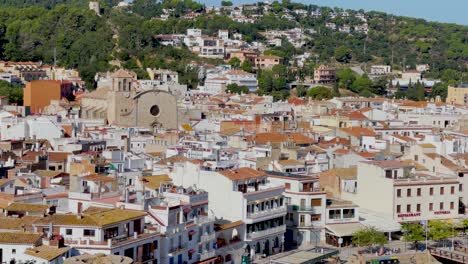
(235, 88)
(234, 62)
(439, 230)
(413, 232)
(301, 91)
(346, 77)
(439, 89)
(361, 83)
(343, 54)
(399, 94)
(247, 66)
(419, 93)
(226, 3)
(369, 236)
(13, 92)
(320, 93)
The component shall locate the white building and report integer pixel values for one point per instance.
(242, 195)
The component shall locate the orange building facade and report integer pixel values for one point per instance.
(38, 94)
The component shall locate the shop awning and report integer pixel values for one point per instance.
(343, 230)
(381, 222)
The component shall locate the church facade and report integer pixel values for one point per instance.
(123, 104)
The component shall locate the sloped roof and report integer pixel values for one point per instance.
(155, 181)
(242, 174)
(19, 238)
(359, 131)
(46, 252)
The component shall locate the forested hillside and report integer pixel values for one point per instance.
(32, 29)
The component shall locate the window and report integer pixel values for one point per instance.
(460, 187)
(395, 174)
(415, 157)
(287, 186)
(13, 251)
(302, 220)
(190, 237)
(431, 206)
(441, 206)
(408, 192)
(316, 202)
(334, 214)
(452, 205)
(348, 213)
(418, 192)
(452, 190)
(69, 232)
(88, 232)
(315, 217)
(398, 208)
(398, 193)
(441, 190)
(388, 174)
(418, 208)
(408, 208)
(431, 191)
(303, 202)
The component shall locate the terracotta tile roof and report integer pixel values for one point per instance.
(300, 139)
(290, 162)
(173, 159)
(359, 131)
(121, 74)
(356, 115)
(100, 93)
(341, 151)
(420, 104)
(104, 216)
(13, 223)
(31, 155)
(24, 207)
(426, 145)
(367, 155)
(242, 174)
(98, 178)
(342, 173)
(155, 181)
(47, 173)
(404, 138)
(19, 238)
(58, 156)
(296, 101)
(48, 253)
(93, 216)
(389, 163)
(264, 138)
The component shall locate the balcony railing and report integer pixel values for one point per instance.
(177, 249)
(267, 232)
(111, 242)
(267, 212)
(207, 254)
(207, 237)
(309, 209)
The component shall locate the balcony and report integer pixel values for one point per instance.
(207, 237)
(175, 250)
(267, 232)
(261, 215)
(202, 219)
(207, 254)
(111, 242)
(307, 209)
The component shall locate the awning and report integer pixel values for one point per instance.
(188, 209)
(382, 223)
(191, 251)
(344, 230)
(192, 232)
